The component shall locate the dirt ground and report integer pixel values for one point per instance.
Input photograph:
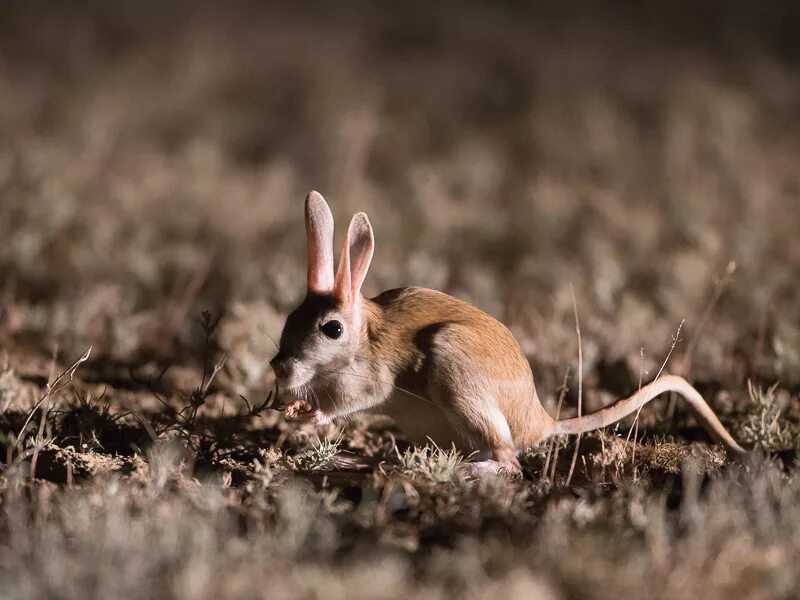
(153, 164)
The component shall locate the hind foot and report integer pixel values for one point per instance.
(483, 468)
(503, 462)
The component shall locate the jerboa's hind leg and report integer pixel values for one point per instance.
(460, 385)
(484, 433)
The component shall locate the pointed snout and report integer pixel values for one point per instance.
(289, 371)
(280, 366)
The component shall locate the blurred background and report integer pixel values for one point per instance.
(154, 158)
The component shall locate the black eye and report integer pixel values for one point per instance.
(333, 329)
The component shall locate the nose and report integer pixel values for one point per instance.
(279, 365)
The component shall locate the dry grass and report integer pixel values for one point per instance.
(153, 161)
(765, 425)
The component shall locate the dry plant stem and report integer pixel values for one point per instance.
(43, 417)
(142, 420)
(705, 316)
(685, 364)
(675, 340)
(580, 381)
(54, 387)
(552, 444)
(633, 454)
(149, 384)
(636, 418)
(556, 445)
(603, 453)
(555, 459)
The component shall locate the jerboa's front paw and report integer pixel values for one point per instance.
(301, 411)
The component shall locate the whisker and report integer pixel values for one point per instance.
(271, 339)
(397, 387)
(315, 397)
(304, 390)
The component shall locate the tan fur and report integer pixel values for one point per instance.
(443, 369)
(461, 358)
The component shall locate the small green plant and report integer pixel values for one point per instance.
(764, 426)
(430, 462)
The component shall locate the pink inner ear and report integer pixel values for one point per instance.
(361, 257)
(341, 288)
(320, 269)
(355, 261)
(319, 230)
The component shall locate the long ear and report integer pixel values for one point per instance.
(319, 231)
(356, 257)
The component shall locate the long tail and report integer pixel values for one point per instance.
(665, 383)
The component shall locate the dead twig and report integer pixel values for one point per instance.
(705, 317)
(675, 340)
(580, 381)
(552, 445)
(54, 386)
